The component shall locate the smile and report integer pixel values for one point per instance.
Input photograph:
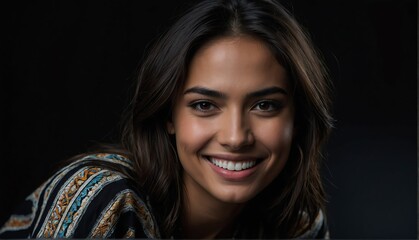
(232, 165)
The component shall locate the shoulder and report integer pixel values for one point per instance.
(318, 229)
(89, 198)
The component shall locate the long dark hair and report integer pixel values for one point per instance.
(297, 194)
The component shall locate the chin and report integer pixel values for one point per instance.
(234, 196)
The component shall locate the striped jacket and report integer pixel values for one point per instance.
(88, 200)
(84, 200)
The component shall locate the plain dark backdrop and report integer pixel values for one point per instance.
(67, 67)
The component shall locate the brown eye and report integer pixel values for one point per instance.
(264, 106)
(203, 106)
(267, 106)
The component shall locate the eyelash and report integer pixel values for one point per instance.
(274, 106)
(198, 106)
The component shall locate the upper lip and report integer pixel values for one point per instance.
(231, 157)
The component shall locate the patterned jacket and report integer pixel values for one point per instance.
(88, 200)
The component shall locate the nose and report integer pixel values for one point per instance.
(235, 132)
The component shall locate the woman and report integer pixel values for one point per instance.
(223, 139)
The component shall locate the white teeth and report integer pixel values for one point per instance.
(225, 164)
(232, 166)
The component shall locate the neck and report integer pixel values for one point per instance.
(207, 225)
(207, 217)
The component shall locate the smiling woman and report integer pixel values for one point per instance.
(223, 139)
(233, 127)
(220, 122)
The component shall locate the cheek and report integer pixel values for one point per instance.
(276, 135)
(191, 134)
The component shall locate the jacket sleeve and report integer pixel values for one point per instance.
(83, 201)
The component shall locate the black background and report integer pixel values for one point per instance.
(67, 68)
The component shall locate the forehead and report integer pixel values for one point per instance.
(236, 61)
(229, 48)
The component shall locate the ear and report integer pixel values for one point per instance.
(170, 127)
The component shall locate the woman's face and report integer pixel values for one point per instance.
(233, 120)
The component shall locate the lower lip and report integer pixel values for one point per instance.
(233, 175)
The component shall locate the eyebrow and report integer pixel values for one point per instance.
(217, 94)
(267, 91)
(205, 91)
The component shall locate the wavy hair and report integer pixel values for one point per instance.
(296, 195)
